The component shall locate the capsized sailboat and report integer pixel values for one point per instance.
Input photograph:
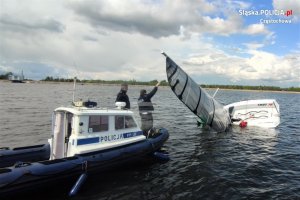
(261, 113)
(210, 111)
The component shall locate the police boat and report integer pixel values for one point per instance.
(85, 139)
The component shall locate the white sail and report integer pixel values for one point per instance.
(211, 112)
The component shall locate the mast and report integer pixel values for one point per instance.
(74, 88)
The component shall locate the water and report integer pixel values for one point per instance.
(250, 163)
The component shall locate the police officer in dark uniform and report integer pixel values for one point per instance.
(122, 96)
(146, 108)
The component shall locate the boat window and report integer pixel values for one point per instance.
(129, 122)
(119, 122)
(122, 122)
(98, 123)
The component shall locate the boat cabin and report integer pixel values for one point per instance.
(84, 128)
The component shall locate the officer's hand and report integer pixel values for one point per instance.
(157, 84)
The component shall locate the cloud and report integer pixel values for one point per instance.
(254, 29)
(133, 16)
(260, 65)
(115, 42)
(221, 26)
(164, 18)
(14, 24)
(288, 5)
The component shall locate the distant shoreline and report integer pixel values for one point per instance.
(275, 91)
(116, 84)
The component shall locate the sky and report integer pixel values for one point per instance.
(224, 42)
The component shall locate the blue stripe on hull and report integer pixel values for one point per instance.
(132, 134)
(87, 141)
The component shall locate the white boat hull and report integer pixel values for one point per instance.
(261, 113)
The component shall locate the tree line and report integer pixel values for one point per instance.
(163, 83)
(5, 76)
(129, 82)
(248, 87)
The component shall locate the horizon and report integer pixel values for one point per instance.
(67, 80)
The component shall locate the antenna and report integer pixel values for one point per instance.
(74, 88)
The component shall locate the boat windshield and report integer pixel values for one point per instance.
(124, 121)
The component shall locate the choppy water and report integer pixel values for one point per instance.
(250, 163)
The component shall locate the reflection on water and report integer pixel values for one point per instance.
(249, 163)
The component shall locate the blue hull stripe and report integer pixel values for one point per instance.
(132, 134)
(87, 141)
